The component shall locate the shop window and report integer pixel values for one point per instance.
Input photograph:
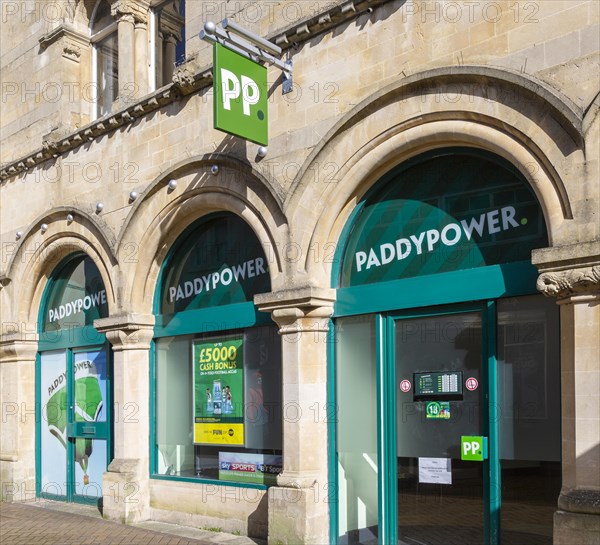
(167, 40)
(105, 66)
(217, 368)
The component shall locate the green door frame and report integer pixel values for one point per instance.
(71, 341)
(101, 430)
(396, 301)
(491, 485)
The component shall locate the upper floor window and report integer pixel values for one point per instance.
(105, 66)
(167, 40)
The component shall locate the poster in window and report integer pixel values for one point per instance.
(218, 391)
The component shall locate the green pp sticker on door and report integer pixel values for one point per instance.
(473, 448)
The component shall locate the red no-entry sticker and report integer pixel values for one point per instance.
(405, 385)
(471, 384)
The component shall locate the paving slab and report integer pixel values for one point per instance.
(55, 523)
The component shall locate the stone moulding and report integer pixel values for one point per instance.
(565, 283)
(186, 80)
(580, 501)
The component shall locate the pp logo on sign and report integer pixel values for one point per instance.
(241, 105)
(231, 88)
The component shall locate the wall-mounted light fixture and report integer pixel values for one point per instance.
(99, 207)
(44, 227)
(172, 184)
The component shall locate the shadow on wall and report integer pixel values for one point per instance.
(378, 14)
(258, 524)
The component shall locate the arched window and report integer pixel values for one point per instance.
(217, 360)
(105, 66)
(442, 347)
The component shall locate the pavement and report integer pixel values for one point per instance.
(46, 522)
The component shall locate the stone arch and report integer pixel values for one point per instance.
(161, 215)
(37, 255)
(510, 115)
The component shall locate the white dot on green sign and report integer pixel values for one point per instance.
(524, 221)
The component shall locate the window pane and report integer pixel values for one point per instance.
(174, 406)
(53, 428)
(107, 73)
(102, 17)
(252, 398)
(529, 397)
(356, 393)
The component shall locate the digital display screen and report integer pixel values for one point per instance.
(438, 383)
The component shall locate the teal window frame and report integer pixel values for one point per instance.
(71, 341)
(194, 322)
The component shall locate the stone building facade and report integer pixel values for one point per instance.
(115, 186)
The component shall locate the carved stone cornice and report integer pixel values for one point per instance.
(62, 31)
(171, 24)
(127, 331)
(292, 35)
(71, 41)
(300, 310)
(562, 284)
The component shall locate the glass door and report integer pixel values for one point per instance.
(88, 426)
(440, 398)
(74, 432)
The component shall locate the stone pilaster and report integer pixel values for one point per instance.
(577, 290)
(17, 407)
(141, 58)
(298, 508)
(125, 483)
(123, 12)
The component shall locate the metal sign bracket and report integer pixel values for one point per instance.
(249, 45)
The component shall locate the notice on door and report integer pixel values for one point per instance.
(435, 470)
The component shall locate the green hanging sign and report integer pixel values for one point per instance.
(452, 210)
(240, 96)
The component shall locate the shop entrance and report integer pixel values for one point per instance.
(74, 434)
(441, 499)
(446, 360)
(74, 416)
